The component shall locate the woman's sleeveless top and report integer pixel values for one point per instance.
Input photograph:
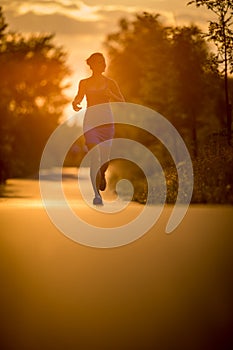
(99, 109)
(96, 96)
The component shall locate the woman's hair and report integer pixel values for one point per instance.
(91, 60)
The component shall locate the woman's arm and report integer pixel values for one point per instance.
(114, 92)
(79, 97)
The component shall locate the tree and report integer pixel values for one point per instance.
(173, 71)
(221, 33)
(164, 68)
(190, 87)
(32, 86)
(136, 52)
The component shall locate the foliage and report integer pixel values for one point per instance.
(132, 44)
(169, 71)
(213, 181)
(32, 74)
(213, 172)
(221, 33)
(173, 71)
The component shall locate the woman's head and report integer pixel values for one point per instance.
(96, 62)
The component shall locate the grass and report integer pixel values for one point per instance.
(213, 176)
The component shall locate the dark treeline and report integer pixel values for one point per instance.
(173, 71)
(32, 71)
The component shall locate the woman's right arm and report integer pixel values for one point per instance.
(79, 97)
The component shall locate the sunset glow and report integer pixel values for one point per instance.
(78, 11)
(82, 26)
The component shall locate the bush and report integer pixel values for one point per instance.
(213, 180)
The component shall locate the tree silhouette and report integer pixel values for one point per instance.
(190, 86)
(167, 69)
(173, 71)
(32, 99)
(221, 33)
(136, 52)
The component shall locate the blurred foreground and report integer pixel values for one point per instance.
(160, 292)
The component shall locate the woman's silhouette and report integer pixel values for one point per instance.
(99, 91)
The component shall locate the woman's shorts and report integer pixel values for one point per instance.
(99, 134)
(98, 124)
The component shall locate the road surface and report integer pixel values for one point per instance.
(159, 292)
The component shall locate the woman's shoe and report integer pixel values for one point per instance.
(97, 201)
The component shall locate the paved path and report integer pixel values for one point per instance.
(160, 292)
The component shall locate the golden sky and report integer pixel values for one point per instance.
(81, 26)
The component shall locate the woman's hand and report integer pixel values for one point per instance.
(75, 106)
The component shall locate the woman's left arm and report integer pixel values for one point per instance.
(114, 92)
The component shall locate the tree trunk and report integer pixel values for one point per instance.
(194, 136)
(228, 106)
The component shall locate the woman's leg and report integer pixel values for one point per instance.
(105, 149)
(95, 171)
